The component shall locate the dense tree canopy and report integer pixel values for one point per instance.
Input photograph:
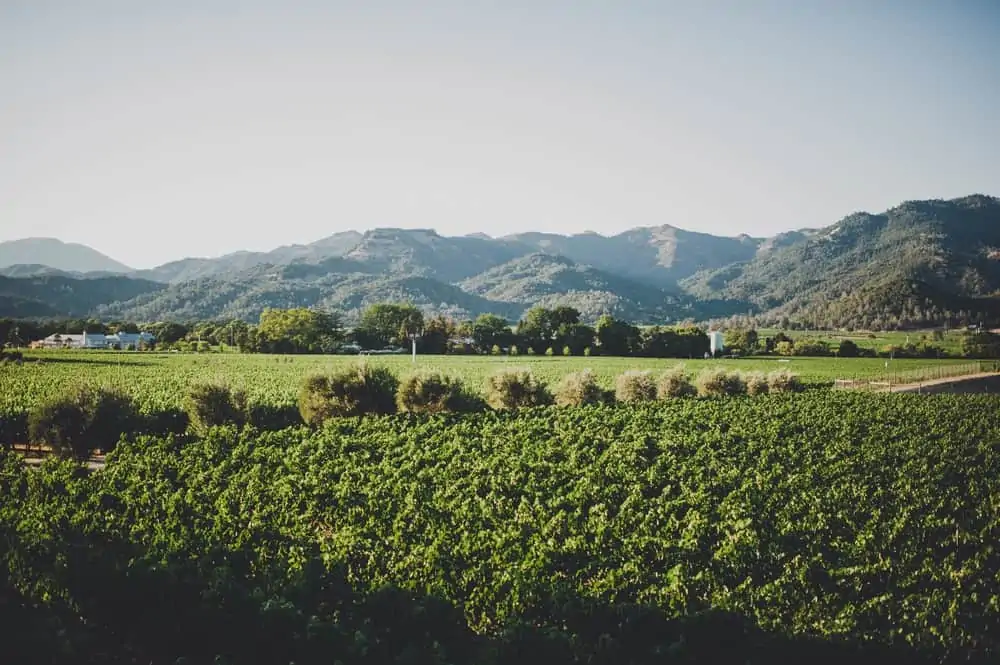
(387, 324)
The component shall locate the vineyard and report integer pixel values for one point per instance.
(827, 527)
(158, 382)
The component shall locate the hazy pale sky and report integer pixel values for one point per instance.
(157, 130)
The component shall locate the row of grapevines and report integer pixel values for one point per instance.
(779, 529)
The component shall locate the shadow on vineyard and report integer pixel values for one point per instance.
(109, 604)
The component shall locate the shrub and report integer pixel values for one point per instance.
(635, 386)
(514, 389)
(756, 383)
(11, 356)
(495, 351)
(549, 351)
(352, 392)
(567, 351)
(433, 392)
(719, 383)
(531, 351)
(579, 389)
(848, 349)
(587, 352)
(83, 420)
(513, 350)
(61, 423)
(211, 405)
(815, 348)
(783, 381)
(675, 383)
(785, 348)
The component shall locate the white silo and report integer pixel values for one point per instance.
(715, 343)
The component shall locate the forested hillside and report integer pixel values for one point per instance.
(921, 263)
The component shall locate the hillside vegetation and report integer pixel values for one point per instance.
(921, 263)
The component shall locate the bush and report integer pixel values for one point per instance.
(83, 420)
(513, 350)
(675, 383)
(567, 351)
(635, 386)
(495, 351)
(352, 392)
(11, 356)
(514, 389)
(587, 352)
(719, 383)
(433, 392)
(785, 348)
(848, 349)
(756, 383)
(813, 348)
(579, 389)
(211, 405)
(783, 381)
(549, 351)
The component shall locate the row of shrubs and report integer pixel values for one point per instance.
(376, 390)
(93, 418)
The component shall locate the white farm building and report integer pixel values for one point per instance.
(715, 342)
(96, 341)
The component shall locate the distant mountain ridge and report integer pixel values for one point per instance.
(921, 261)
(65, 256)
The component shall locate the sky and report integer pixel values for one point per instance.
(152, 131)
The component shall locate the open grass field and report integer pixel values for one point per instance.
(950, 341)
(160, 381)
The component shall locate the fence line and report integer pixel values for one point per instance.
(915, 376)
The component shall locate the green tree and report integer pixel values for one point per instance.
(436, 334)
(743, 340)
(299, 330)
(617, 338)
(490, 330)
(848, 349)
(575, 337)
(389, 323)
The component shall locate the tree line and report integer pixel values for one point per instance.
(541, 331)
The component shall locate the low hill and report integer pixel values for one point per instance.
(657, 255)
(57, 296)
(301, 285)
(65, 256)
(185, 270)
(549, 280)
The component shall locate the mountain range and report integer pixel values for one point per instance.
(921, 262)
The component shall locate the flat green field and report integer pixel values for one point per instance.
(159, 381)
(950, 341)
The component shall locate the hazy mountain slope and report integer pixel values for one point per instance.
(922, 262)
(189, 269)
(424, 252)
(70, 257)
(38, 270)
(659, 256)
(51, 295)
(301, 285)
(546, 279)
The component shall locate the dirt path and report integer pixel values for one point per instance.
(936, 385)
(34, 457)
